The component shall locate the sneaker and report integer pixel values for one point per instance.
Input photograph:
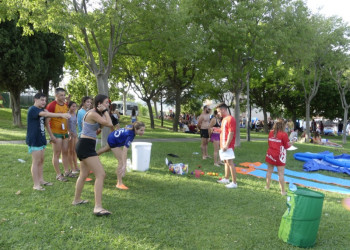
(231, 185)
(61, 178)
(75, 172)
(224, 181)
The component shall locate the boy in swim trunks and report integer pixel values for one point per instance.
(36, 139)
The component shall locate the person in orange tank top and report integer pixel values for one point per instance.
(58, 131)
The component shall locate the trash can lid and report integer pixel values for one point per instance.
(308, 192)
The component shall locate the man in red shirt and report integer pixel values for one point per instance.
(227, 144)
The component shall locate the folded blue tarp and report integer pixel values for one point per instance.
(325, 161)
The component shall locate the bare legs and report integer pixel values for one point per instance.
(91, 163)
(216, 145)
(37, 168)
(72, 156)
(204, 147)
(120, 154)
(280, 170)
(61, 146)
(230, 168)
(103, 150)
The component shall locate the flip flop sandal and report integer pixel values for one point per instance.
(80, 202)
(122, 187)
(39, 188)
(61, 178)
(70, 174)
(103, 212)
(46, 183)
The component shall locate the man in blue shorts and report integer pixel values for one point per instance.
(36, 139)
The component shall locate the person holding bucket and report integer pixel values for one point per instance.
(119, 142)
(277, 153)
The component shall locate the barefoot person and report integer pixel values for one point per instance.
(227, 144)
(85, 148)
(277, 153)
(36, 139)
(119, 142)
(58, 131)
(203, 125)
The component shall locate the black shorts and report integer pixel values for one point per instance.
(204, 133)
(85, 148)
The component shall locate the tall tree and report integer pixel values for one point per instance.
(146, 78)
(235, 31)
(23, 63)
(95, 31)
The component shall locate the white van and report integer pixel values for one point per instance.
(129, 107)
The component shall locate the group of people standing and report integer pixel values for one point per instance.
(221, 130)
(60, 120)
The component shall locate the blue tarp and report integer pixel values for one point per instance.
(325, 161)
(312, 176)
(305, 183)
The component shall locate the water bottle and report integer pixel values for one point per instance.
(128, 165)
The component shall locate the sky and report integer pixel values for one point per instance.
(331, 7)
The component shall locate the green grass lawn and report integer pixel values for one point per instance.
(160, 210)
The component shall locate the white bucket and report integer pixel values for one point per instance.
(141, 155)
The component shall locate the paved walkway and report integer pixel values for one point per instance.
(146, 140)
(136, 140)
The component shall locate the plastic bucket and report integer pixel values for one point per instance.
(141, 155)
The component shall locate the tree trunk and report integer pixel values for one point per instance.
(46, 87)
(155, 108)
(294, 119)
(124, 102)
(307, 115)
(102, 86)
(266, 127)
(248, 109)
(161, 112)
(177, 110)
(237, 114)
(15, 96)
(345, 123)
(150, 111)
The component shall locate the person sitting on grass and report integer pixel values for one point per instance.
(192, 128)
(277, 153)
(317, 139)
(36, 139)
(119, 142)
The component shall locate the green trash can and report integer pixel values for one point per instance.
(301, 220)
